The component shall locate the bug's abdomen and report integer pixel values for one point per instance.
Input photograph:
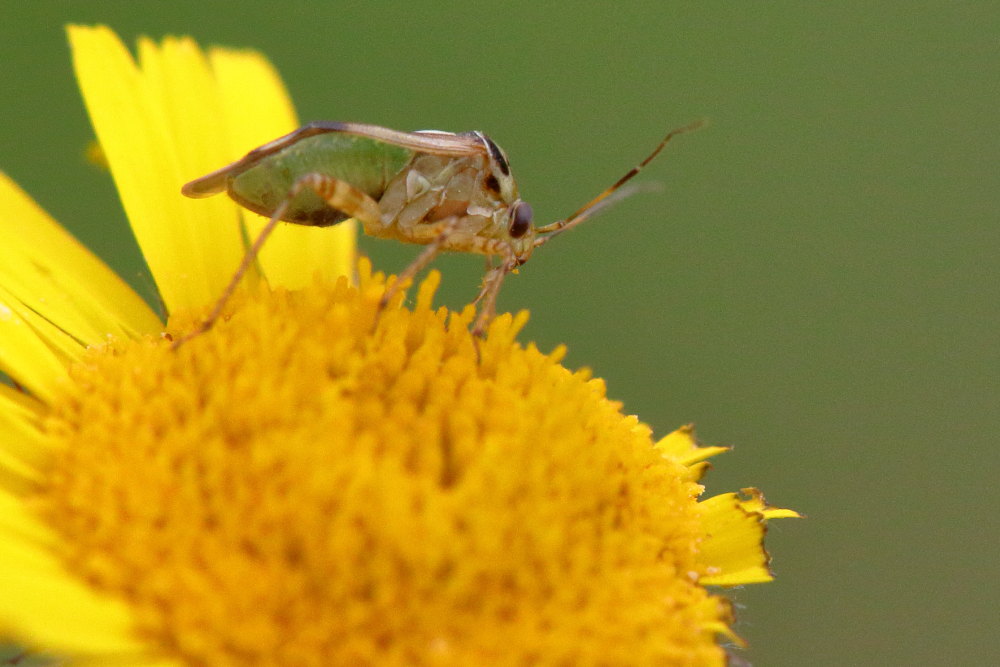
(365, 164)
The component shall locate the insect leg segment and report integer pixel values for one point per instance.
(421, 262)
(488, 294)
(248, 260)
(338, 194)
(493, 251)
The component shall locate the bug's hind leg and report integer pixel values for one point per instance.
(337, 194)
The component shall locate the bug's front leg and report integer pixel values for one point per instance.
(336, 193)
(487, 297)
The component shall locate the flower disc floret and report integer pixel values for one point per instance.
(311, 479)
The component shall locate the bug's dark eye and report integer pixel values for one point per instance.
(520, 222)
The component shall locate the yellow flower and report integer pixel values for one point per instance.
(311, 483)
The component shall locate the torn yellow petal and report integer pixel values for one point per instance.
(721, 628)
(755, 502)
(257, 109)
(57, 278)
(682, 446)
(158, 128)
(699, 470)
(733, 551)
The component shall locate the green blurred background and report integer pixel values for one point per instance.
(816, 284)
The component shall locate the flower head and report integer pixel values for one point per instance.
(314, 481)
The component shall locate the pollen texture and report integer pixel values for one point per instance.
(312, 483)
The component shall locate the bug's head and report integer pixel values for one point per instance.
(520, 232)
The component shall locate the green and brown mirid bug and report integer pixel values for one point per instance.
(446, 191)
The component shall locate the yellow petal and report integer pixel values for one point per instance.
(64, 345)
(42, 604)
(54, 276)
(15, 475)
(257, 109)
(24, 356)
(255, 105)
(159, 127)
(24, 450)
(17, 523)
(23, 441)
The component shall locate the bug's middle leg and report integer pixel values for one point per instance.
(426, 256)
(337, 194)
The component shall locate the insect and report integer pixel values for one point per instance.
(451, 192)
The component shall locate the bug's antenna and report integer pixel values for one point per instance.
(602, 200)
